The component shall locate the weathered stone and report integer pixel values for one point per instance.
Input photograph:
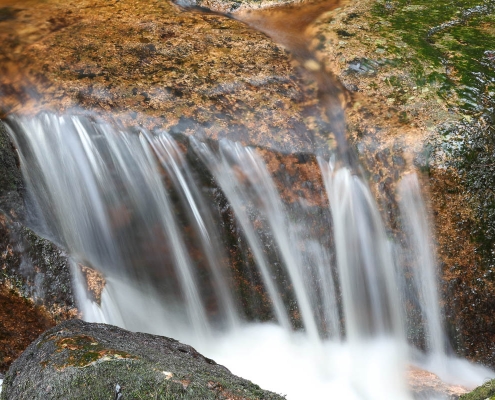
(426, 385)
(78, 360)
(144, 61)
(21, 322)
(95, 282)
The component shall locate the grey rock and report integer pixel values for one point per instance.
(79, 360)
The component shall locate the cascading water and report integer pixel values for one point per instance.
(159, 224)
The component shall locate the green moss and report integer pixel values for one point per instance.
(484, 392)
(451, 46)
(84, 350)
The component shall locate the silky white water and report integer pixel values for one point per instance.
(166, 225)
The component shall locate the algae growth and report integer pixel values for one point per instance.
(454, 43)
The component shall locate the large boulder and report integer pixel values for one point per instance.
(78, 360)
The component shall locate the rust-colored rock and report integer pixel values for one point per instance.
(95, 282)
(21, 322)
(424, 383)
(152, 64)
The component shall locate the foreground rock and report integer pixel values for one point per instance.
(78, 360)
(484, 392)
(21, 322)
(427, 385)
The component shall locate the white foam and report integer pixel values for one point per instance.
(294, 366)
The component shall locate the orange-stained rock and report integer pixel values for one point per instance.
(424, 383)
(21, 322)
(150, 63)
(95, 282)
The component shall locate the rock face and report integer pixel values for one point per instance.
(21, 322)
(30, 267)
(78, 360)
(406, 65)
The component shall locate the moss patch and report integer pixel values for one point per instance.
(484, 392)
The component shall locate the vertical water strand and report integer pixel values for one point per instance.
(172, 160)
(225, 178)
(327, 290)
(413, 213)
(368, 282)
(184, 268)
(366, 269)
(137, 180)
(267, 195)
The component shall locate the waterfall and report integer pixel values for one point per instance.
(197, 242)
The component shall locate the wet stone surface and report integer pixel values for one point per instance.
(143, 62)
(21, 322)
(35, 282)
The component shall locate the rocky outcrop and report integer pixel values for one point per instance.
(484, 392)
(78, 360)
(144, 63)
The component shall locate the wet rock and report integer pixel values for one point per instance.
(21, 322)
(143, 62)
(426, 385)
(78, 360)
(95, 282)
(30, 266)
(483, 392)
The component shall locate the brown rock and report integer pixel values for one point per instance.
(152, 64)
(95, 282)
(21, 322)
(424, 383)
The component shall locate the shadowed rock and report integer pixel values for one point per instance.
(78, 360)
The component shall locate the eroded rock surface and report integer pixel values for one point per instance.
(78, 360)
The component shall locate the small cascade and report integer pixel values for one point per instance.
(419, 251)
(197, 241)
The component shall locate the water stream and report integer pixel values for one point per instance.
(197, 242)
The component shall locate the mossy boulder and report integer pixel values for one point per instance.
(78, 360)
(483, 392)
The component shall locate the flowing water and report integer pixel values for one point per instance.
(196, 242)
